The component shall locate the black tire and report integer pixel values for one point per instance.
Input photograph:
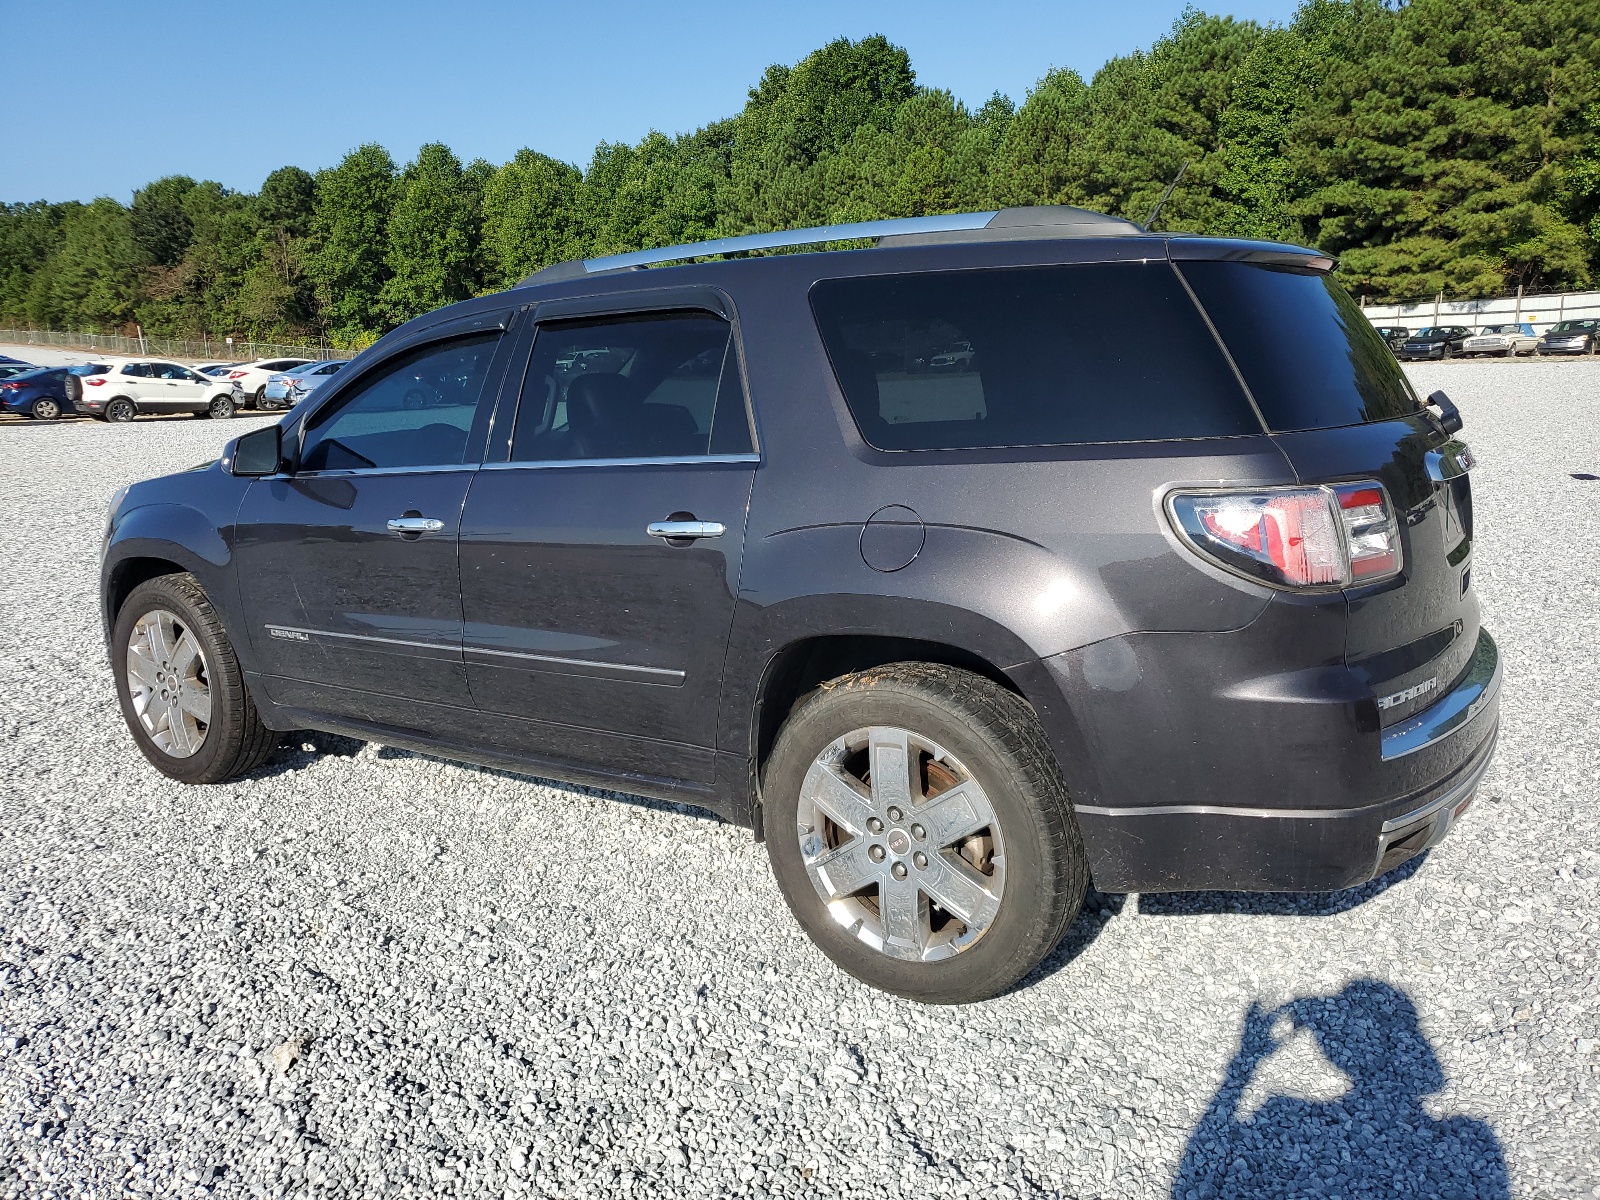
(45, 408)
(996, 737)
(1447, 352)
(236, 741)
(258, 399)
(221, 409)
(121, 409)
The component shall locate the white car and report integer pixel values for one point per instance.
(252, 376)
(1507, 340)
(151, 385)
(217, 370)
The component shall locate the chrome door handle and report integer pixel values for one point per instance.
(415, 525)
(686, 529)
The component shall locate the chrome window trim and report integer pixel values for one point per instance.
(664, 461)
(436, 469)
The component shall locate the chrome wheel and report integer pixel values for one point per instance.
(168, 683)
(901, 843)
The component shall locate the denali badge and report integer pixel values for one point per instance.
(288, 635)
(1411, 693)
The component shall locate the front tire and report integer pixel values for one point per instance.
(921, 833)
(121, 409)
(180, 687)
(45, 409)
(221, 409)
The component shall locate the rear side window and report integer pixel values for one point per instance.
(1312, 360)
(659, 385)
(1030, 356)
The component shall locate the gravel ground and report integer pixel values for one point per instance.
(366, 972)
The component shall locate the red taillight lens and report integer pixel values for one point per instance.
(1312, 538)
(94, 381)
(237, 374)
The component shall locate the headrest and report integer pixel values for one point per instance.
(598, 400)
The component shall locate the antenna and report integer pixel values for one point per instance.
(1149, 222)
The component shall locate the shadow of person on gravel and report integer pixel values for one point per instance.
(1375, 1140)
(1275, 904)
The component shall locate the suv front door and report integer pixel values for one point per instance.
(591, 637)
(176, 389)
(347, 565)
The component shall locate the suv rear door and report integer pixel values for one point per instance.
(590, 639)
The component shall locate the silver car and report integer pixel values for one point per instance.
(288, 388)
(1507, 340)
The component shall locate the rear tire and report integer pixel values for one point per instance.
(877, 882)
(46, 409)
(259, 398)
(181, 665)
(121, 409)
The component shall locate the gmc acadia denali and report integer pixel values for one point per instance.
(1013, 551)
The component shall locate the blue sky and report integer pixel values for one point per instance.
(231, 91)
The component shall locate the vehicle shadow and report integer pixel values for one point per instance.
(1275, 904)
(1375, 1139)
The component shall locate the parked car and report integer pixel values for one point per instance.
(6, 358)
(38, 392)
(217, 370)
(1507, 340)
(129, 387)
(7, 370)
(1394, 335)
(252, 377)
(288, 388)
(1570, 337)
(1436, 341)
(926, 634)
(960, 357)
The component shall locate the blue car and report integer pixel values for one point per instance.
(9, 361)
(9, 370)
(288, 388)
(41, 393)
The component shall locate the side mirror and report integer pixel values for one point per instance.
(1449, 414)
(259, 452)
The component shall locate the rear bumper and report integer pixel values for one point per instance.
(1337, 802)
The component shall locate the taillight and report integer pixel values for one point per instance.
(1371, 534)
(237, 374)
(95, 381)
(1311, 538)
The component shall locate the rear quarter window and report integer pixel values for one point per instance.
(1027, 356)
(1309, 356)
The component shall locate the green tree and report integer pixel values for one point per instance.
(531, 217)
(160, 227)
(432, 236)
(349, 230)
(91, 280)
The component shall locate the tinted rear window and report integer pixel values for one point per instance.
(1312, 360)
(1030, 356)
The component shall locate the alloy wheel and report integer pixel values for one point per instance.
(169, 683)
(46, 409)
(901, 843)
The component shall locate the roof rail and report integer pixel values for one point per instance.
(1050, 221)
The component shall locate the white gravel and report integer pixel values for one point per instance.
(364, 972)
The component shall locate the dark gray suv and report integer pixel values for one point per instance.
(1016, 551)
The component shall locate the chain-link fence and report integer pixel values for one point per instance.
(198, 351)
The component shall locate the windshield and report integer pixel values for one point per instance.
(1436, 331)
(1573, 327)
(1500, 329)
